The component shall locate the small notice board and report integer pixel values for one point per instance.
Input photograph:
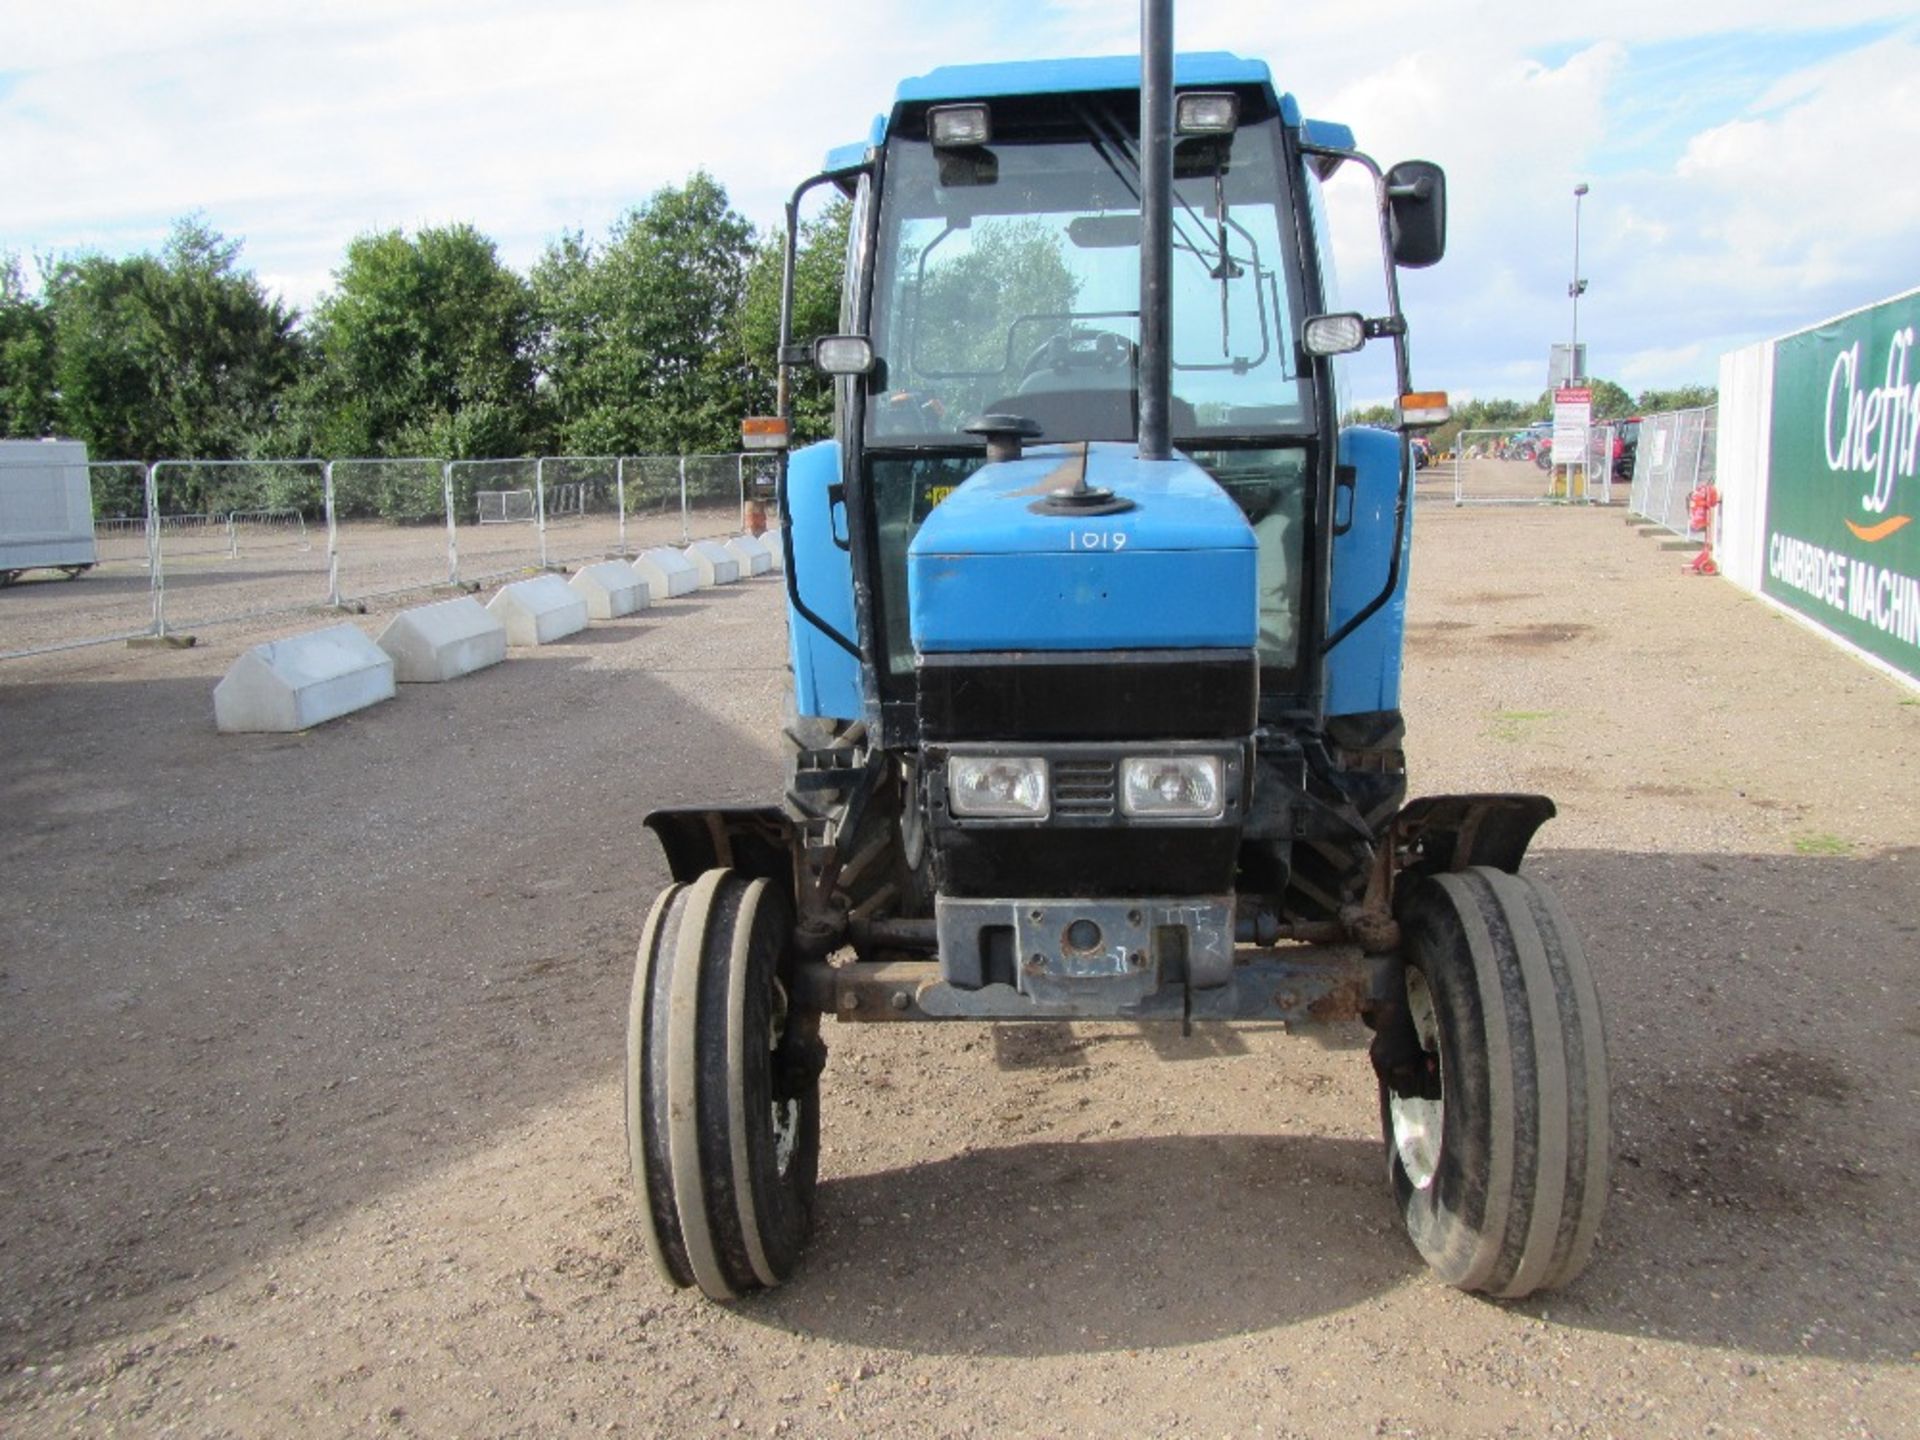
(1572, 417)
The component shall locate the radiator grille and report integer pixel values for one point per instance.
(1083, 787)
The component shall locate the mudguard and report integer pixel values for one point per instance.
(754, 841)
(1451, 832)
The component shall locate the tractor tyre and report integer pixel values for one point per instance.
(1371, 775)
(722, 1088)
(1500, 1176)
(886, 868)
(1370, 749)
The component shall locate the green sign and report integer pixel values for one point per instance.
(1843, 494)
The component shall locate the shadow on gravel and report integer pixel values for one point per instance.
(1761, 1026)
(1762, 1020)
(1065, 1248)
(609, 632)
(248, 983)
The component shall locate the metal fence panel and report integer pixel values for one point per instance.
(237, 539)
(653, 495)
(716, 500)
(488, 549)
(581, 497)
(391, 528)
(1676, 452)
(113, 600)
(1488, 469)
(186, 543)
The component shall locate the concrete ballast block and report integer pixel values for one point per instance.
(752, 553)
(611, 589)
(667, 572)
(301, 681)
(539, 611)
(711, 559)
(443, 641)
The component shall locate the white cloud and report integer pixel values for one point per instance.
(296, 128)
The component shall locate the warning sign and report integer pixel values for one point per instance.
(1572, 417)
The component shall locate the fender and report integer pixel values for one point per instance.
(1438, 834)
(754, 841)
(1450, 832)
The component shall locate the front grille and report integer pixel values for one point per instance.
(1084, 787)
(1069, 696)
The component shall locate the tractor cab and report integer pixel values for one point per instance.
(1095, 620)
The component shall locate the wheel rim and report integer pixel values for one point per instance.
(786, 1113)
(1418, 1123)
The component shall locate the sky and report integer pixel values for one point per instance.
(1751, 163)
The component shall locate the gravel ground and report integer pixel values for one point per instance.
(310, 1044)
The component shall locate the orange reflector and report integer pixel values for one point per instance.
(763, 432)
(1425, 408)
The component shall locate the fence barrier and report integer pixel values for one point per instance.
(203, 542)
(1514, 467)
(1676, 452)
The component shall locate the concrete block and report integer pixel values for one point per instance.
(711, 559)
(611, 589)
(752, 553)
(667, 572)
(443, 641)
(539, 611)
(299, 682)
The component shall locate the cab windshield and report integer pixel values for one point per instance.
(1008, 281)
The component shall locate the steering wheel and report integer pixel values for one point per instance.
(1081, 349)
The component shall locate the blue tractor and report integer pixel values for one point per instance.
(1095, 619)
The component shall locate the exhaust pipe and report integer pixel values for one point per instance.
(1156, 228)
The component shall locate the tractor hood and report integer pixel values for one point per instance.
(996, 567)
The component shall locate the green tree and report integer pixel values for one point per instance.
(1388, 415)
(1483, 415)
(640, 339)
(818, 269)
(425, 347)
(1684, 397)
(26, 357)
(970, 303)
(176, 355)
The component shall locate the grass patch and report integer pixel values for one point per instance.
(1513, 726)
(1821, 845)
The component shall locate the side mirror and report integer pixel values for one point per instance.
(1417, 211)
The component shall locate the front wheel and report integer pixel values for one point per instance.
(722, 1087)
(1498, 1143)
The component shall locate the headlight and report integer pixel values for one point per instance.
(1172, 786)
(997, 786)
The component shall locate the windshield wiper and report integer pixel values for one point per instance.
(1102, 132)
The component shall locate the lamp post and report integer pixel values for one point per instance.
(1576, 289)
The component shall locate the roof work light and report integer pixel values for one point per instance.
(1206, 112)
(956, 125)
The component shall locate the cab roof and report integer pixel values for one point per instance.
(1050, 77)
(1058, 77)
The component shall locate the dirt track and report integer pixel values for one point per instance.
(309, 1046)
